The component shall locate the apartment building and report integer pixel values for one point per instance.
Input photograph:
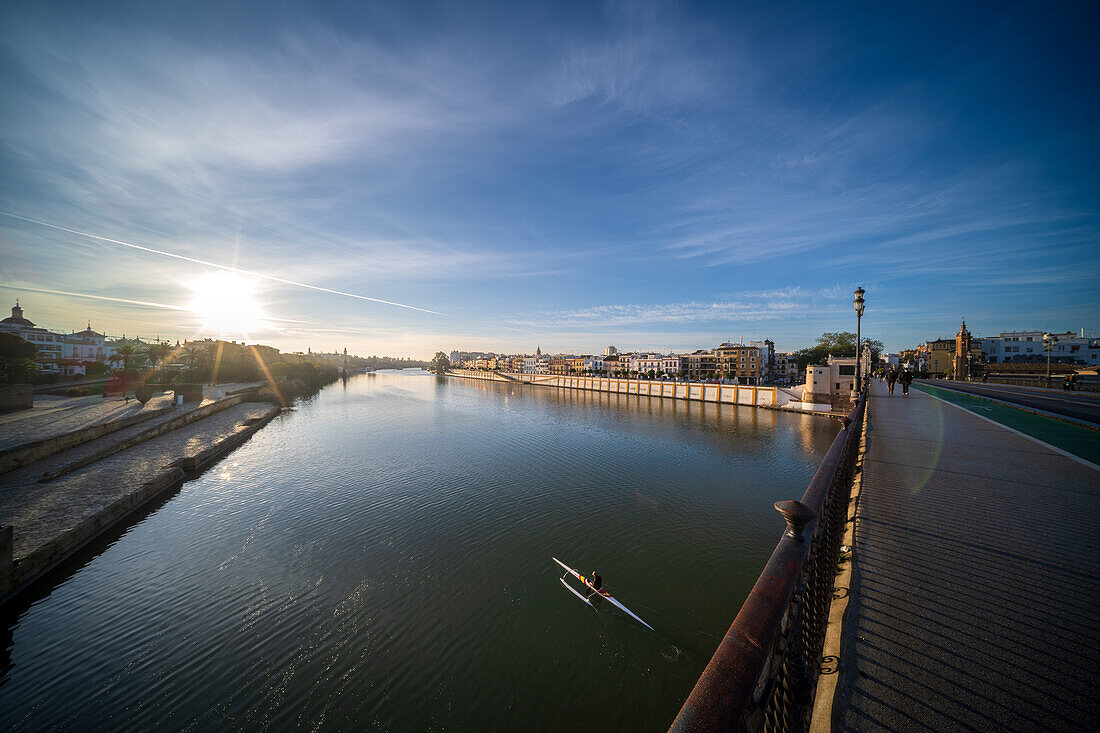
(742, 361)
(1018, 345)
(701, 364)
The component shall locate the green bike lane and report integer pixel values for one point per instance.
(1079, 441)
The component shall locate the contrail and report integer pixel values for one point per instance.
(95, 297)
(147, 304)
(227, 268)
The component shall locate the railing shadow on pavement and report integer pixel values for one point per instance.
(763, 674)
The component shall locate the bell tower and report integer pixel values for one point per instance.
(962, 353)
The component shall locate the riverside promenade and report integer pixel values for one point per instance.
(974, 596)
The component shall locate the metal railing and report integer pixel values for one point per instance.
(763, 674)
(1085, 383)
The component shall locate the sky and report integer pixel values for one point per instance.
(509, 175)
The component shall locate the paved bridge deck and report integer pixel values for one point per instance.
(974, 597)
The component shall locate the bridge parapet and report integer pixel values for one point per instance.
(763, 673)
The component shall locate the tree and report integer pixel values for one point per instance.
(440, 363)
(16, 359)
(126, 353)
(834, 343)
(157, 352)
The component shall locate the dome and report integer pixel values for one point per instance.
(16, 318)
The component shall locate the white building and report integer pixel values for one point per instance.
(1006, 347)
(593, 363)
(86, 345)
(50, 345)
(537, 364)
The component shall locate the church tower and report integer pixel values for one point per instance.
(962, 353)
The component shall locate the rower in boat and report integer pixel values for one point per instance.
(596, 581)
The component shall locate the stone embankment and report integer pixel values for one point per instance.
(84, 465)
(776, 398)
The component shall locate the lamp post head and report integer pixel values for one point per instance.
(858, 301)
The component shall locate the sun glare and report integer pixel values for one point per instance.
(226, 303)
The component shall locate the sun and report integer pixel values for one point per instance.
(226, 303)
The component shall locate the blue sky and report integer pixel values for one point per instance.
(652, 175)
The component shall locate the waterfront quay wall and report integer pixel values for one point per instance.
(728, 394)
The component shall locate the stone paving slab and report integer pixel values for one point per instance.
(51, 417)
(975, 578)
(41, 511)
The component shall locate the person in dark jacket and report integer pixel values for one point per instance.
(891, 377)
(597, 580)
(905, 378)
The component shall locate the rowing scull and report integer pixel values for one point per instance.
(603, 593)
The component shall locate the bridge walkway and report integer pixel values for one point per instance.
(975, 578)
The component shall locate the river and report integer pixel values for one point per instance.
(381, 557)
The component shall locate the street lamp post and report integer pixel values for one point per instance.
(1049, 340)
(858, 303)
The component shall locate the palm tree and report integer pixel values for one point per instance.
(157, 352)
(125, 353)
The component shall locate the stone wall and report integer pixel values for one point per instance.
(16, 397)
(719, 393)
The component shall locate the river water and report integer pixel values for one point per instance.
(381, 557)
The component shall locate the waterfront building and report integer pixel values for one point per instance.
(537, 364)
(594, 363)
(642, 362)
(50, 345)
(767, 359)
(745, 363)
(700, 364)
(669, 364)
(786, 368)
(560, 364)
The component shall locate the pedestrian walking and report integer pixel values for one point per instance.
(891, 377)
(905, 378)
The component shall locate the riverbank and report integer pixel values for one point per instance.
(784, 399)
(66, 488)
